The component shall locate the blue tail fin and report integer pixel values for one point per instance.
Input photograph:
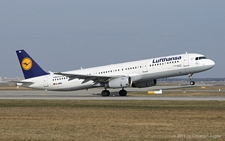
(29, 66)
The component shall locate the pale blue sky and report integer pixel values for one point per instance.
(68, 34)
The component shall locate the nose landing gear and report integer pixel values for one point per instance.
(191, 81)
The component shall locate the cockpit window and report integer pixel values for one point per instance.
(200, 58)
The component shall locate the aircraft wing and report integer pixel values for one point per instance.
(95, 78)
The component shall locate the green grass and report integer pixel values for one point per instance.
(110, 120)
(191, 105)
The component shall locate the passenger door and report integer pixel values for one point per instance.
(45, 81)
(186, 60)
(144, 68)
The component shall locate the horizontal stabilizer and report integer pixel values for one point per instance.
(22, 83)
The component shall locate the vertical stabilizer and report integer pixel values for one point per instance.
(29, 67)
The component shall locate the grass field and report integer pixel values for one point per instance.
(112, 120)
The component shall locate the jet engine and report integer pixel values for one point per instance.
(144, 84)
(120, 82)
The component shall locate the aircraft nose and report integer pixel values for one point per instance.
(211, 63)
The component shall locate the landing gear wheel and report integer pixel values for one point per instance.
(105, 93)
(122, 92)
(192, 83)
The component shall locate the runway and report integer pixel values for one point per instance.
(95, 95)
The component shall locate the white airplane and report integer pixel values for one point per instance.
(137, 74)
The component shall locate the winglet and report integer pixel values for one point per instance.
(29, 67)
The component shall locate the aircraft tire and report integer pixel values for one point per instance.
(105, 93)
(122, 92)
(192, 83)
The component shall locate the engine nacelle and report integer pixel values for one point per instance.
(144, 84)
(120, 82)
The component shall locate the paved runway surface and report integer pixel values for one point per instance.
(94, 94)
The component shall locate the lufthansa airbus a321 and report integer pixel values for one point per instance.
(136, 74)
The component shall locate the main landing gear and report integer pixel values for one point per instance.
(122, 92)
(107, 93)
(191, 82)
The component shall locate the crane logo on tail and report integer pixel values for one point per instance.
(26, 64)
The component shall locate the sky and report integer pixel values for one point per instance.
(63, 35)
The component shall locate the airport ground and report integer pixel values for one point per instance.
(117, 119)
